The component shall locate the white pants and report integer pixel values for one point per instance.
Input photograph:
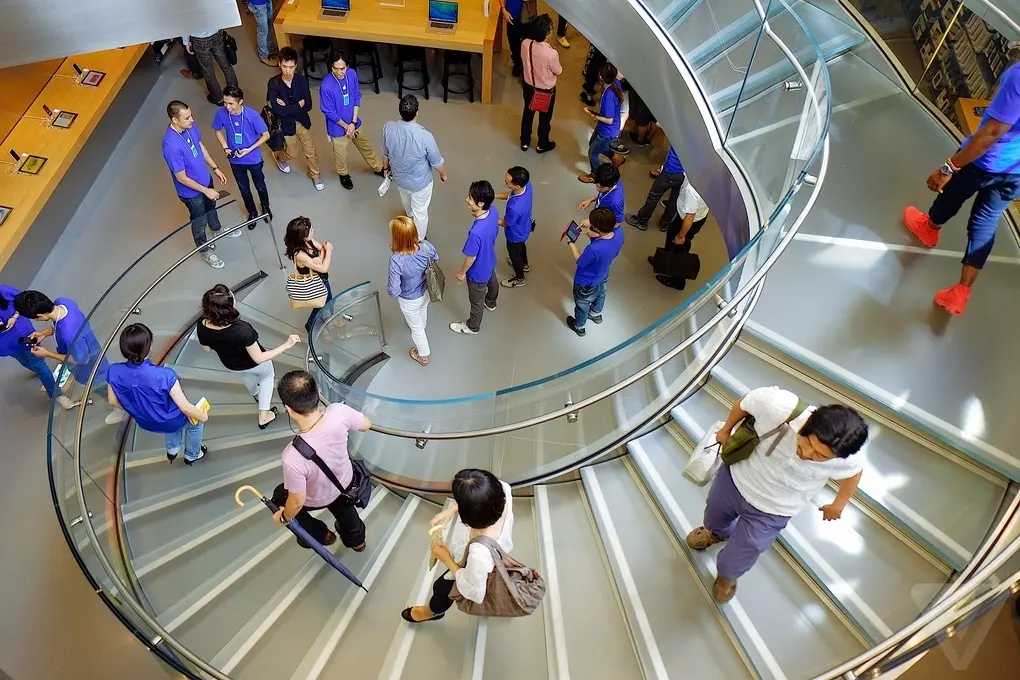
(261, 381)
(416, 206)
(416, 314)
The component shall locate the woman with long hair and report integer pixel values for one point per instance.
(236, 343)
(308, 255)
(607, 120)
(406, 281)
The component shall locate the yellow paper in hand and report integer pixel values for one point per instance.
(203, 405)
(436, 534)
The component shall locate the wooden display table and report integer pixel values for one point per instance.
(370, 21)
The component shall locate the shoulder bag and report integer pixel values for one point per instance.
(306, 291)
(512, 589)
(275, 127)
(435, 280)
(230, 47)
(358, 492)
(541, 100)
(741, 443)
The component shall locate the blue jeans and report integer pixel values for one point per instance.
(192, 438)
(38, 366)
(994, 193)
(263, 19)
(598, 146)
(588, 301)
(202, 211)
(315, 312)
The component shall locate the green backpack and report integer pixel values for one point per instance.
(741, 443)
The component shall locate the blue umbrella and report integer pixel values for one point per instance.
(303, 535)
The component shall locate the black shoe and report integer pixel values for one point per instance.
(268, 213)
(525, 147)
(588, 99)
(616, 147)
(671, 282)
(212, 100)
(406, 615)
(274, 411)
(663, 228)
(171, 457)
(546, 149)
(201, 455)
(527, 267)
(379, 173)
(346, 183)
(252, 216)
(595, 318)
(572, 325)
(635, 221)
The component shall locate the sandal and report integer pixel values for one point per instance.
(406, 615)
(274, 411)
(422, 361)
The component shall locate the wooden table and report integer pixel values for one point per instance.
(370, 21)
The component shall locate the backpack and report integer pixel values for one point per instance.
(512, 589)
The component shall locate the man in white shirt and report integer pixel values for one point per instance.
(692, 213)
(752, 501)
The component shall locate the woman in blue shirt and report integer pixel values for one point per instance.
(14, 328)
(406, 281)
(241, 132)
(152, 395)
(607, 119)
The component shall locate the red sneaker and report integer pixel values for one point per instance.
(920, 226)
(953, 299)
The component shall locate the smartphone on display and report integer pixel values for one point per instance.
(572, 232)
(15, 156)
(47, 110)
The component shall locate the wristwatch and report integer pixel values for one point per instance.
(948, 168)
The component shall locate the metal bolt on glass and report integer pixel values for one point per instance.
(572, 416)
(792, 86)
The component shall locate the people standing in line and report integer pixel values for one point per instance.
(410, 154)
(516, 32)
(988, 166)
(222, 330)
(593, 63)
(406, 281)
(153, 396)
(591, 277)
(485, 506)
(670, 179)
(290, 98)
(608, 193)
(561, 33)
(305, 487)
(479, 268)
(308, 256)
(190, 164)
(516, 222)
(607, 120)
(209, 46)
(262, 10)
(241, 132)
(15, 328)
(541, 66)
(682, 230)
(752, 501)
(340, 103)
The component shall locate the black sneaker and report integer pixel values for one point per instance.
(492, 308)
(525, 147)
(588, 99)
(212, 100)
(545, 149)
(572, 325)
(346, 183)
(513, 282)
(595, 318)
(633, 220)
(379, 173)
(638, 141)
(201, 454)
(619, 148)
(663, 228)
(527, 267)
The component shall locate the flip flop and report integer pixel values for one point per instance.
(406, 615)
(422, 361)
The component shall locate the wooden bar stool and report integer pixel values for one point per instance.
(451, 61)
(412, 60)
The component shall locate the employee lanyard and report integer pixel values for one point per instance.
(601, 196)
(343, 88)
(238, 127)
(187, 138)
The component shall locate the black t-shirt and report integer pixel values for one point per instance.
(231, 344)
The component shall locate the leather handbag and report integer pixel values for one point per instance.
(230, 47)
(275, 127)
(745, 438)
(358, 492)
(676, 264)
(306, 291)
(541, 100)
(512, 589)
(435, 280)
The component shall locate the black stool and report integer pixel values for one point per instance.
(310, 46)
(367, 54)
(453, 59)
(412, 60)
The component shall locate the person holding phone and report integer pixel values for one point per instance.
(15, 342)
(607, 123)
(340, 103)
(592, 273)
(241, 132)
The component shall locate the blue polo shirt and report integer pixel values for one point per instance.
(242, 131)
(672, 165)
(1004, 155)
(481, 245)
(514, 7)
(609, 107)
(22, 327)
(181, 151)
(612, 199)
(337, 99)
(143, 390)
(82, 349)
(593, 265)
(518, 215)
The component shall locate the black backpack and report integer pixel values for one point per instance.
(272, 121)
(230, 46)
(359, 492)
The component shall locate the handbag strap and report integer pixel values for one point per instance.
(306, 450)
(531, 61)
(797, 410)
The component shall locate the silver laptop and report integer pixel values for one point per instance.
(443, 16)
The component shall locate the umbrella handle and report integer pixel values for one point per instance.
(246, 487)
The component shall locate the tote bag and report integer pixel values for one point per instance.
(512, 589)
(306, 291)
(435, 280)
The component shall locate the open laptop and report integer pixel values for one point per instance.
(442, 16)
(336, 9)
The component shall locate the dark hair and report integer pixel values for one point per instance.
(295, 238)
(542, 26)
(519, 176)
(174, 108)
(480, 498)
(408, 107)
(233, 91)
(602, 220)
(218, 306)
(287, 54)
(607, 74)
(135, 342)
(839, 427)
(32, 304)
(482, 193)
(336, 54)
(298, 390)
(606, 175)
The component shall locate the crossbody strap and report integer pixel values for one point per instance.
(306, 450)
(531, 62)
(797, 410)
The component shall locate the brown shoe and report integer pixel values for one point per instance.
(619, 159)
(330, 540)
(701, 538)
(723, 589)
(586, 179)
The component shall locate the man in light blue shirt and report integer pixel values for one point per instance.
(340, 102)
(409, 154)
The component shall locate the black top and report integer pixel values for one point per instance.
(291, 113)
(230, 344)
(313, 253)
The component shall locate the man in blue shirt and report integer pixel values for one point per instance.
(592, 272)
(518, 223)
(340, 102)
(479, 268)
(516, 31)
(262, 10)
(14, 328)
(290, 98)
(609, 193)
(988, 164)
(189, 163)
(241, 132)
(670, 179)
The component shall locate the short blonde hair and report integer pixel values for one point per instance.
(403, 235)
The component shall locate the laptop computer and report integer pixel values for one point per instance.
(335, 9)
(443, 16)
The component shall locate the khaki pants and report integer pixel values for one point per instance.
(289, 153)
(363, 144)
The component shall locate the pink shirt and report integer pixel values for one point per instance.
(547, 64)
(329, 439)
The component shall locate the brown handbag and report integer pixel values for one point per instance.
(541, 100)
(512, 589)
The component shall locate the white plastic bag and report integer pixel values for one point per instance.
(705, 461)
(385, 186)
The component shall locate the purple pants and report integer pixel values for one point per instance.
(748, 532)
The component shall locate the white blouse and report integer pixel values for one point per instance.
(472, 579)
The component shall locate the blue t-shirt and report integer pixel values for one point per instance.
(181, 151)
(612, 199)
(1004, 155)
(514, 7)
(337, 99)
(593, 265)
(143, 390)
(672, 165)
(241, 131)
(518, 215)
(609, 107)
(82, 352)
(22, 327)
(481, 245)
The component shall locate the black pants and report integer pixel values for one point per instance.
(685, 247)
(241, 173)
(544, 119)
(561, 28)
(480, 294)
(666, 181)
(440, 601)
(349, 526)
(518, 257)
(592, 63)
(515, 35)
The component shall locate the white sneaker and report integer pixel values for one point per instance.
(491, 309)
(319, 186)
(564, 43)
(213, 261)
(284, 167)
(115, 417)
(65, 402)
(234, 234)
(461, 327)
